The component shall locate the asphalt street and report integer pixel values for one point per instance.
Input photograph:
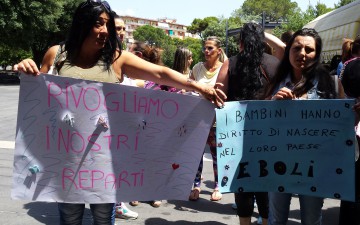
(203, 211)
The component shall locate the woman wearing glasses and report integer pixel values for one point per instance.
(92, 52)
(206, 73)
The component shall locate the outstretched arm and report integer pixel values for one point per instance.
(136, 67)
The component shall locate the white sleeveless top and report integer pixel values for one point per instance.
(202, 75)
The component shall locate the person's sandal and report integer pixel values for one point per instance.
(155, 203)
(195, 194)
(216, 195)
(134, 203)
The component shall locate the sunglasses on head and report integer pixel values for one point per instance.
(120, 28)
(96, 3)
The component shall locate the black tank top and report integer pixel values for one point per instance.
(268, 68)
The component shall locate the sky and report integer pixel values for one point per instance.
(185, 11)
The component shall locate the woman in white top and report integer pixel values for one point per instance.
(206, 73)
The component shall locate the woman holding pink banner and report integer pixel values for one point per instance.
(92, 52)
(301, 76)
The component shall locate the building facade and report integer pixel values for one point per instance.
(169, 26)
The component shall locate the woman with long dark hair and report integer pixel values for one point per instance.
(92, 51)
(302, 68)
(245, 77)
(301, 76)
(92, 40)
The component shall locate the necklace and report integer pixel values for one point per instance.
(211, 72)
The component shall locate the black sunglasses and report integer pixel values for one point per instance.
(96, 3)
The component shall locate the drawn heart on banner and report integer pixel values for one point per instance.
(175, 166)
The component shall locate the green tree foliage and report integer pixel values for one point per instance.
(238, 16)
(168, 53)
(321, 9)
(11, 55)
(199, 25)
(298, 18)
(274, 9)
(295, 21)
(343, 2)
(30, 27)
(33, 26)
(151, 35)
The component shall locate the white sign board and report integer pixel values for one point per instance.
(90, 142)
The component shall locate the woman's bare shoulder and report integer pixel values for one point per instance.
(49, 58)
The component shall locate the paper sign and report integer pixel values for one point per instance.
(299, 146)
(90, 142)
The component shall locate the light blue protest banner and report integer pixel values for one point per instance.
(303, 147)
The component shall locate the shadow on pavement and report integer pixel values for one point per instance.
(330, 216)
(47, 213)
(159, 221)
(203, 205)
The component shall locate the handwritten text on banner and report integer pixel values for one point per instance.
(304, 147)
(85, 141)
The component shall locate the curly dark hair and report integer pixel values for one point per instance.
(248, 61)
(84, 20)
(326, 86)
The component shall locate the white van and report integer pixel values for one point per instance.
(336, 25)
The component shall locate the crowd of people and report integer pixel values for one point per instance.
(95, 50)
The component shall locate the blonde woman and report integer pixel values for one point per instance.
(207, 73)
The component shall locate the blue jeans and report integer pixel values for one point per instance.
(72, 214)
(279, 206)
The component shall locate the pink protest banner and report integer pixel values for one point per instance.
(90, 142)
